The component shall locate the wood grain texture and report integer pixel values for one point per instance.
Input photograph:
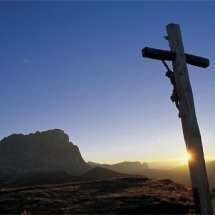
(160, 54)
(190, 126)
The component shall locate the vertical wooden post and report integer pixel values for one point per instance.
(190, 126)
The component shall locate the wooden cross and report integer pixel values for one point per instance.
(192, 136)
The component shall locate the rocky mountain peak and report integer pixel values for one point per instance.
(41, 151)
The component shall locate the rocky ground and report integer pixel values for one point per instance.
(113, 196)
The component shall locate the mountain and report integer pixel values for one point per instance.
(178, 174)
(124, 167)
(44, 178)
(47, 151)
(181, 174)
(211, 173)
(36, 178)
(100, 173)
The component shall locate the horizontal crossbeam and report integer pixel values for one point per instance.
(160, 54)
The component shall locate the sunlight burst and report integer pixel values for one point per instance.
(189, 156)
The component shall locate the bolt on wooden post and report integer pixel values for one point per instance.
(192, 136)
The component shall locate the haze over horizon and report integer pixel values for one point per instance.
(77, 66)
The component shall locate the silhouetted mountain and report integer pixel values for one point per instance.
(211, 173)
(157, 173)
(100, 173)
(36, 178)
(182, 175)
(48, 151)
(43, 178)
(94, 164)
(124, 167)
(179, 174)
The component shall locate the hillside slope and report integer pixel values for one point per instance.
(181, 174)
(126, 167)
(100, 173)
(178, 174)
(115, 196)
(36, 178)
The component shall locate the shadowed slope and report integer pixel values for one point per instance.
(100, 173)
(113, 196)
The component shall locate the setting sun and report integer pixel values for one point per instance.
(189, 156)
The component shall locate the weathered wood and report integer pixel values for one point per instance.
(190, 126)
(197, 61)
(160, 54)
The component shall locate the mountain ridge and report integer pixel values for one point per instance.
(127, 167)
(178, 174)
(48, 154)
(41, 151)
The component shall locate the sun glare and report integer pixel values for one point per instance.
(189, 156)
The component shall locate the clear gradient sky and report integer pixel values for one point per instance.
(77, 66)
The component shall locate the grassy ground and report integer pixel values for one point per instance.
(114, 196)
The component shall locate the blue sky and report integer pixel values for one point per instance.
(78, 66)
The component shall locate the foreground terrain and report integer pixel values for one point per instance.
(112, 196)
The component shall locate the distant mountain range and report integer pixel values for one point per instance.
(43, 178)
(179, 174)
(49, 157)
(100, 173)
(124, 167)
